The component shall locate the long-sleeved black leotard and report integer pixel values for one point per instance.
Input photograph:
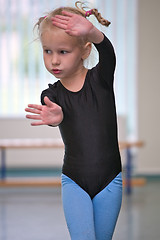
(89, 127)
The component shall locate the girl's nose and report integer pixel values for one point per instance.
(55, 60)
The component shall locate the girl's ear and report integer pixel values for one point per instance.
(86, 50)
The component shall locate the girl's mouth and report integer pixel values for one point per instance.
(56, 71)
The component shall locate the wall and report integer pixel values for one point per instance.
(21, 128)
(149, 85)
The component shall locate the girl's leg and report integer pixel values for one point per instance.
(78, 210)
(106, 206)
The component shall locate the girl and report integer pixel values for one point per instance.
(82, 104)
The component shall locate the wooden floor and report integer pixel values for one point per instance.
(35, 213)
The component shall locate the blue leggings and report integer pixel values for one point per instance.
(91, 219)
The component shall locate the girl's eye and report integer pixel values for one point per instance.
(47, 51)
(63, 52)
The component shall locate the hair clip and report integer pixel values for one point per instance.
(88, 13)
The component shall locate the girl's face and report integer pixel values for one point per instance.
(63, 55)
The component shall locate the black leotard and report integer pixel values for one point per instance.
(89, 127)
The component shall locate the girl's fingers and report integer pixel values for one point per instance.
(35, 117)
(37, 123)
(59, 20)
(35, 106)
(69, 14)
(61, 17)
(60, 25)
(48, 102)
(31, 110)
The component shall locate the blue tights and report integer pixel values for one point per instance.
(91, 219)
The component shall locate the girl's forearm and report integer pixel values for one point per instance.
(95, 35)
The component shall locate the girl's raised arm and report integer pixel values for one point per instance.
(76, 25)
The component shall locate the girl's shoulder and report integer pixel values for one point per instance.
(50, 92)
(52, 88)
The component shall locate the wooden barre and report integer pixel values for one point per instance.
(124, 145)
(31, 143)
(51, 143)
(54, 182)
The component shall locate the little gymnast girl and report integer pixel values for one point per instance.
(81, 103)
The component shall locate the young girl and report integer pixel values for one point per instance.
(82, 104)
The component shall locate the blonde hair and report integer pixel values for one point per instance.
(93, 11)
(78, 9)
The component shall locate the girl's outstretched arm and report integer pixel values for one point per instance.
(49, 114)
(76, 25)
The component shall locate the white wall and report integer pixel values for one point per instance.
(21, 128)
(149, 85)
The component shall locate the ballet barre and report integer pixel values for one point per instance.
(57, 143)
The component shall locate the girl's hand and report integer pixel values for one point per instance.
(49, 114)
(73, 24)
(78, 26)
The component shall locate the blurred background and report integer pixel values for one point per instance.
(135, 35)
